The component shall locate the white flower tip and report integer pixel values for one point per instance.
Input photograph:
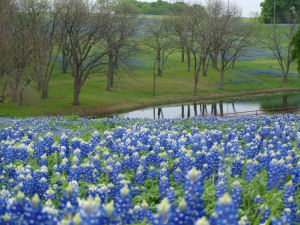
(164, 207)
(35, 199)
(77, 219)
(182, 204)
(225, 200)
(202, 221)
(109, 208)
(144, 204)
(20, 195)
(125, 191)
(194, 173)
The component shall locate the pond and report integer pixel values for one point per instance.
(221, 108)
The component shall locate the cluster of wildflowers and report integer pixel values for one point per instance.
(124, 171)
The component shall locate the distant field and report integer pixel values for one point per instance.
(255, 71)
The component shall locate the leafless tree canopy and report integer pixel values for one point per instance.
(274, 39)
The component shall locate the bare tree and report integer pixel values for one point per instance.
(6, 20)
(180, 30)
(160, 41)
(15, 48)
(84, 40)
(278, 39)
(35, 16)
(121, 23)
(42, 16)
(197, 41)
(227, 35)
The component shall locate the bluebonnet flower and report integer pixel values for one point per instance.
(70, 194)
(237, 167)
(225, 212)
(250, 170)
(123, 205)
(244, 221)
(181, 214)
(142, 212)
(164, 186)
(193, 197)
(221, 187)
(34, 214)
(258, 199)
(236, 193)
(265, 215)
(164, 213)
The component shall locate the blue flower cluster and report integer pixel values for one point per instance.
(74, 171)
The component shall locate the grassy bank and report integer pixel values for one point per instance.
(134, 90)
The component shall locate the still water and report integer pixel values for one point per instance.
(187, 110)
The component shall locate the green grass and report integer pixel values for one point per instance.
(134, 90)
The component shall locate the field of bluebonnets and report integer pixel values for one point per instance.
(244, 170)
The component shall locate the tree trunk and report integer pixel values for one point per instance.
(285, 76)
(154, 84)
(3, 93)
(116, 61)
(284, 101)
(221, 108)
(189, 60)
(45, 90)
(76, 91)
(14, 92)
(39, 84)
(109, 83)
(112, 74)
(221, 80)
(215, 61)
(21, 98)
(233, 63)
(159, 73)
(64, 62)
(204, 68)
(182, 53)
(196, 72)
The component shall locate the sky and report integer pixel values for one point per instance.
(249, 6)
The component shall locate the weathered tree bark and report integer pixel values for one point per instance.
(284, 101)
(64, 62)
(215, 61)
(182, 53)
(154, 84)
(182, 112)
(233, 62)
(159, 71)
(45, 90)
(195, 109)
(196, 75)
(189, 60)
(20, 98)
(2, 97)
(221, 80)
(111, 70)
(76, 92)
(116, 61)
(14, 92)
(205, 63)
(109, 83)
(221, 108)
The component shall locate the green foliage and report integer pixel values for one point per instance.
(296, 49)
(284, 8)
(159, 7)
